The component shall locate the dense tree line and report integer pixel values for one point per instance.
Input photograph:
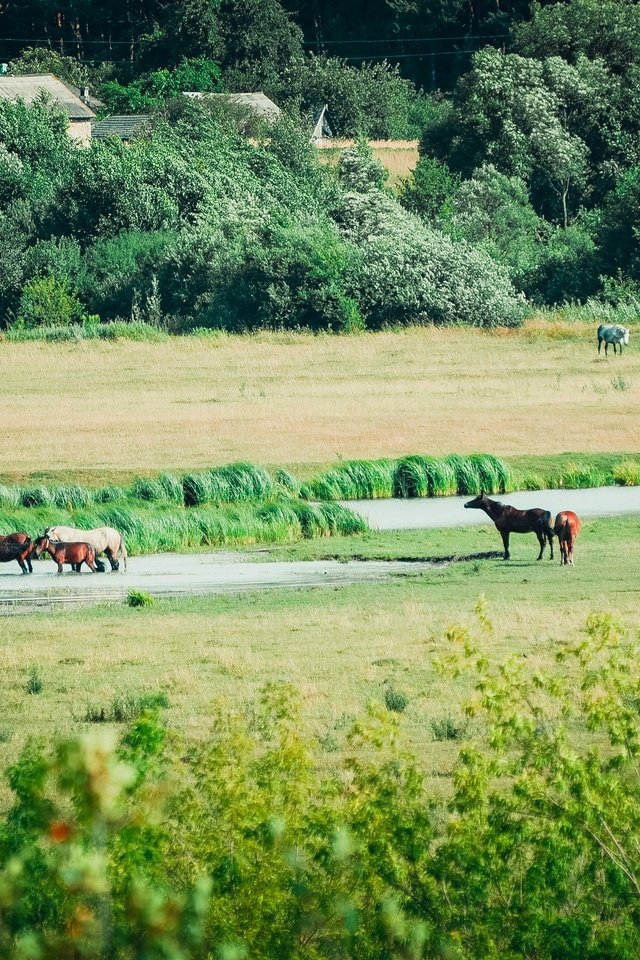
(528, 180)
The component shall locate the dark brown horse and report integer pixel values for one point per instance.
(73, 553)
(511, 520)
(17, 546)
(567, 528)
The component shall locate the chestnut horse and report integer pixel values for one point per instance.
(567, 528)
(17, 546)
(511, 520)
(74, 553)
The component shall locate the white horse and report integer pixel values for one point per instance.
(612, 333)
(103, 540)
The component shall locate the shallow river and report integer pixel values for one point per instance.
(171, 574)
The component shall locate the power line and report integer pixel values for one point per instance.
(462, 36)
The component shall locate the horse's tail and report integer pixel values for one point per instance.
(546, 525)
(563, 527)
(123, 551)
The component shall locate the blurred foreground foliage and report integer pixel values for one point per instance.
(151, 846)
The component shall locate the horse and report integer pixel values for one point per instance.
(511, 520)
(17, 546)
(23, 555)
(103, 540)
(567, 528)
(612, 333)
(74, 553)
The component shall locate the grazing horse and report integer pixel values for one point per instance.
(612, 333)
(74, 553)
(510, 520)
(103, 540)
(567, 528)
(17, 546)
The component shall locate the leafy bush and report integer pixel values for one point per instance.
(139, 598)
(407, 273)
(47, 302)
(233, 844)
(395, 700)
(371, 100)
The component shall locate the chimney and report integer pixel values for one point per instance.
(84, 94)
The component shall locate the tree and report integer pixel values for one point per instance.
(514, 113)
(260, 43)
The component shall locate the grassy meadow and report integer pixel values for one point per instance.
(105, 412)
(340, 647)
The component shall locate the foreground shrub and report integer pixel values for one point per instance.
(237, 845)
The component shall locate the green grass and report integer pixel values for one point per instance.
(155, 528)
(116, 330)
(243, 503)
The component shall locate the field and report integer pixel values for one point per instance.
(306, 402)
(341, 648)
(399, 157)
(101, 412)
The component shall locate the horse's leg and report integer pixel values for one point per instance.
(541, 540)
(109, 554)
(505, 541)
(90, 562)
(60, 567)
(22, 564)
(551, 538)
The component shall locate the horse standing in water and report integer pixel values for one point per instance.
(17, 546)
(567, 528)
(103, 540)
(510, 520)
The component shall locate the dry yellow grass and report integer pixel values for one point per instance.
(398, 156)
(97, 407)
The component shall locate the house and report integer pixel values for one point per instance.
(123, 126)
(322, 133)
(31, 86)
(256, 106)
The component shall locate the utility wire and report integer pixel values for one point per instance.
(462, 36)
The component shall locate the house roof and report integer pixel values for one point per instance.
(124, 126)
(30, 86)
(257, 103)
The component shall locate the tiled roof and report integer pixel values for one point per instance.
(124, 126)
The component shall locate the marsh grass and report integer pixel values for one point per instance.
(155, 528)
(413, 476)
(125, 707)
(353, 480)
(136, 331)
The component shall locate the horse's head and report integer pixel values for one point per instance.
(478, 503)
(40, 545)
